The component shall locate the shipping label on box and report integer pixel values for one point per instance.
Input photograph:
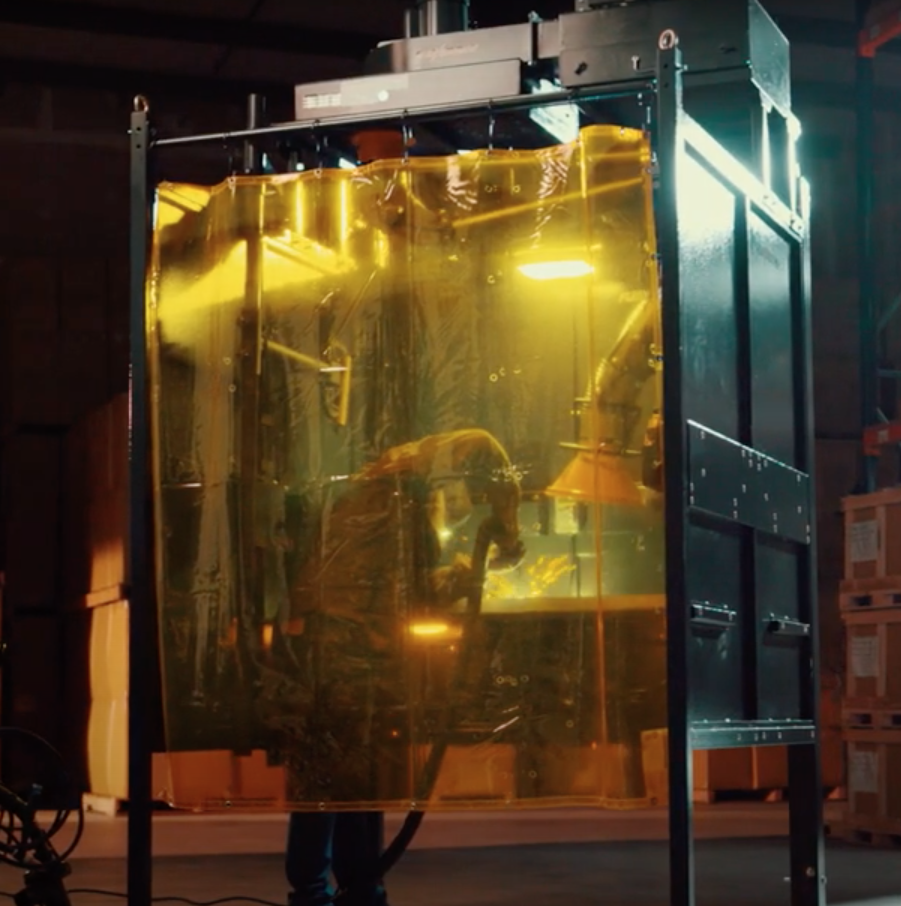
(863, 772)
(863, 538)
(865, 656)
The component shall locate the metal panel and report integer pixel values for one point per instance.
(381, 95)
(465, 48)
(732, 35)
(715, 651)
(740, 484)
(730, 171)
(781, 635)
(772, 366)
(707, 247)
(770, 56)
(737, 734)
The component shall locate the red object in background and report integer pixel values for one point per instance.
(885, 28)
(879, 436)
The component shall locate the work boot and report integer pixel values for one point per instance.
(325, 898)
(371, 897)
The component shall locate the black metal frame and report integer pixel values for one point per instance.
(676, 137)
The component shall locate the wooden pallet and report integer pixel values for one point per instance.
(882, 594)
(711, 797)
(866, 714)
(865, 830)
(872, 838)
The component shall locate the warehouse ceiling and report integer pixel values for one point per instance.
(234, 46)
(251, 41)
(243, 40)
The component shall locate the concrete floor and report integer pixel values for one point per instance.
(523, 859)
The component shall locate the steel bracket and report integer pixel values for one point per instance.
(740, 484)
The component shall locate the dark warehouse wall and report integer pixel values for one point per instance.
(63, 352)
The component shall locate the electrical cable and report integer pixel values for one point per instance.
(173, 899)
(23, 844)
(118, 895)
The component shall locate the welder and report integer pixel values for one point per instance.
(383, 532)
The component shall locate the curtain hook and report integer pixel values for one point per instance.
(229, 157)
(318, 146)
(406, 136)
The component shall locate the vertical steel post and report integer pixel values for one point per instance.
(141, 627)
(868, 321)
(669, 154)
(805, 783)
(439, 17)
(253, 156)
(247, 441)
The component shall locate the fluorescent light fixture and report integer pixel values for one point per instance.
(345, 164)
(559, 120)
(556, 270)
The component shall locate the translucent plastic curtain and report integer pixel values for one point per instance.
(407, 485)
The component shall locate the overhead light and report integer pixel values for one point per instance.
(435, 630)
(556, 270)
(345, 164)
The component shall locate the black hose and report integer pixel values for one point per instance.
(30, 845)
(489, 529)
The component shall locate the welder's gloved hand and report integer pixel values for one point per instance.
(451, 584)
(507, 555)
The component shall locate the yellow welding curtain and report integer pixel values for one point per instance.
(407, 501)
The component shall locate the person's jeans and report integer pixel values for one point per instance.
(347, 845)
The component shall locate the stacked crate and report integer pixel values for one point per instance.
(96, 635)
(870, 602)
(59, 316)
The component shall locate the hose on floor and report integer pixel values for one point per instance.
(491, 529)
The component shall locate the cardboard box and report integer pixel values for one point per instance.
(96, 456)
(714, 770)
(190, 780)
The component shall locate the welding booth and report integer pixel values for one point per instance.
(471, 437)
